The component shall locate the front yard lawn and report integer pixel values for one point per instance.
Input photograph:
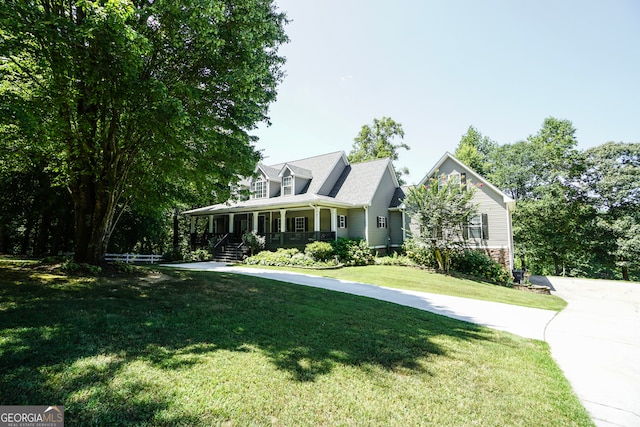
(202, 349)
(425, 281)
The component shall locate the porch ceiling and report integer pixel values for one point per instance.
(258, 205)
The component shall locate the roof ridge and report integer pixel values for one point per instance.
(308, 158)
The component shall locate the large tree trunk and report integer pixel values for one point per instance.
(94, 210)
(176, 229)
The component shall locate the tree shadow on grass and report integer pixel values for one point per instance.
(65, 342)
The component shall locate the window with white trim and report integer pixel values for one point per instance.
(287, 185)
(259, 189)
(342, 221)
(382, 222)
(478, 227)
(300, 224)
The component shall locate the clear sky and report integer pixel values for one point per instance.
(438, 67)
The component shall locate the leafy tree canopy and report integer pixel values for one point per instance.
(441, 207)
(377, 142)
(474, 150)
(136, 98)
(612, 174)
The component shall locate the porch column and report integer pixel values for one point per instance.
(255, 222)
(334, 222)
(193, 225)
(316, 218)
(210, 224)
(404, 226)
(283, 225)
(231, 222)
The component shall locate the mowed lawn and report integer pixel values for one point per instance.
(202, 349)
(416, 279)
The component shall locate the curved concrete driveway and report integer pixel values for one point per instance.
(596, 342)
(523, 321)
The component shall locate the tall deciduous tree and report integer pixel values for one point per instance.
(377, 142)
(441, 207)
(132, 92)
(474, 150)
(612, 178)
(538, 173)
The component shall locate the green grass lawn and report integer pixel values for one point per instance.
(425, 281)
(202, 349)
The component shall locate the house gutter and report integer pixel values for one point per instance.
(511, 207)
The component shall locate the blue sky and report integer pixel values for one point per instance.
(438, 67)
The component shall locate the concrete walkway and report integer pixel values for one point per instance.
(596, 342)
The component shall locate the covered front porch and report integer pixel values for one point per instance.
(282, 228)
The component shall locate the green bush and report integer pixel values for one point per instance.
(319, 251)
(279, 258)
(174, 254)
(394, 259)
(255, 242)
(478, 264)
(69, 266)
(198, 255)
(419, 253)
(353, 251)
(287, 257)
(123, 267)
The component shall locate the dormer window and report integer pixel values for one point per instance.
(259, 188)
(287, 185)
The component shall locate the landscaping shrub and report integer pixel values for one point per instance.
(280, 257)
(419, 253)
(174, 254)
(478, 264)
(69, 266)
(123, 267)
(353, 251)
(394, 259)
(198, 255)
(287, 257)
(255, 242)
(319, 251)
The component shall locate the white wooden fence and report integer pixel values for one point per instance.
(153, 258)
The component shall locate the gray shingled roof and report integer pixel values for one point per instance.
(360, 183)
(356, 186)
(398, 197)
(298, 171)
(320, 167)
(270, 172)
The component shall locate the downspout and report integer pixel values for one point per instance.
(510, 231)
(366, 224)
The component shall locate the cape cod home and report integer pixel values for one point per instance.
(325, 197)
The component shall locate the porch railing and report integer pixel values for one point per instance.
(201, 240)
(297, 239)
(289, 239)
(217, 247)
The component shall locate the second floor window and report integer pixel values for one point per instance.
(259, 189)
(287, 186)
